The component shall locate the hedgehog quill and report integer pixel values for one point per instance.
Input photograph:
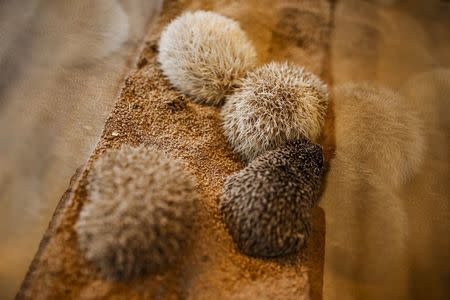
(267, 205)
(139, 212)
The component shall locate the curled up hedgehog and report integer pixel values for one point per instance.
(138, 213)
(377, 128)
(204, 55)
(276, 103)
(267, 205)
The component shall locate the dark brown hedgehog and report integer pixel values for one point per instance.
(138, 214)
(267, 205)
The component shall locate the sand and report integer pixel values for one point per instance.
(148, 111)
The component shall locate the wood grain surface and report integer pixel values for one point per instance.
(61, 67)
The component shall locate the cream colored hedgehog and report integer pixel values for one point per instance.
(276, 103)
(138, 214)
(204, 54)
(375, 127)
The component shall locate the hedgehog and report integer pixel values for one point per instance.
(204, 55)
(138, 213)
(375, 127)
(276, 103)
(267, 205)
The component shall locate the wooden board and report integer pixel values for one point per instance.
(149, 111)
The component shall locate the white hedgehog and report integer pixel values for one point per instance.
(375, 127)
(204, 54)
(276, 103)
(138, 214)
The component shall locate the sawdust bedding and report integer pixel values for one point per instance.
(150, 112)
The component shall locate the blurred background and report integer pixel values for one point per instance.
(61, 66)
(385, 242)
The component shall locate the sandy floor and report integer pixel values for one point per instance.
(149, 111)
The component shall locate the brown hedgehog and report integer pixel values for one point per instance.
(138, 214)
(267, 205)
(375, 127)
